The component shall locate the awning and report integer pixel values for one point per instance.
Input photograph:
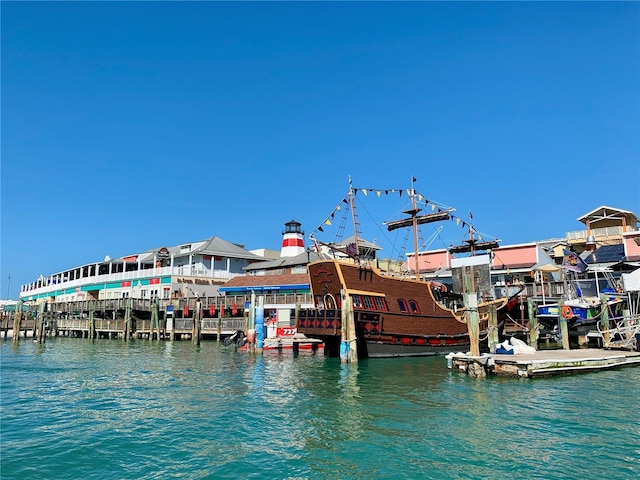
(547, 268)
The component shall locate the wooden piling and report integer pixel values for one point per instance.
(471, 306)
(251, 325)
(259, 325)
(127, 319)
(40, 322)
(5, 324)
(534, 330)
(470, 301)
(92, 319)
(172, 330)
(195, 335)
(562, 324)
(155, 322)
(17, 319)
(494, 337)
(33, 309)
(348, 343)
(219, 330)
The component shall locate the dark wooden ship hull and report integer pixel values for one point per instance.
(394, 316)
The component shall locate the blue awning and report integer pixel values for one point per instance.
(259, 288)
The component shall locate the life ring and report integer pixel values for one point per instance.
(567, 312)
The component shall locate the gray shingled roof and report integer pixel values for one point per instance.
(302, 259)
(210, 246)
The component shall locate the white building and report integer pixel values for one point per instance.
(187, 270)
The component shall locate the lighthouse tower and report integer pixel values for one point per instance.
(292, 240)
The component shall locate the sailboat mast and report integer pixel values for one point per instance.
(352, 205)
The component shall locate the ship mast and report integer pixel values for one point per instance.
(413, 212)
(352, 205)
(414, 220)
(473, 243)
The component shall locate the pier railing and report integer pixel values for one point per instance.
(226, 302)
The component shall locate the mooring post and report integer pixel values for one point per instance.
(127, 319)
(172, 326)
(16, 321)
(195, 335)
(471, 306)
(604, 320)
(155, 322)
(219, 330)
(534, 332)
(33, 311)
(5, 324)
(260, 325)
(251, 324)
(562, 325)
(40, 321)
(92, 319)
(470, 300)
(494, 338)
(348, 340)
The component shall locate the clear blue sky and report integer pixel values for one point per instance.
(130, 126)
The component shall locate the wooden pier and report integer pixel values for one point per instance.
(127, 318)
(543, 362)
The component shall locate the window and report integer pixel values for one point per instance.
(381, 304)
(403, 305)
(413, 305)
(357, 301)
(408, 306)
(368, 302)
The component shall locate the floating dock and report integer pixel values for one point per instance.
(543, 362)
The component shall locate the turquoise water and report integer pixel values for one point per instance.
(106, 409)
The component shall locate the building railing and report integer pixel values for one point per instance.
(597, 233)
(52, 285)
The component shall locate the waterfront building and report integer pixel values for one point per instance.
(215, 266)
(192, 269)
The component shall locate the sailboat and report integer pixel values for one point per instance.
(394, 314)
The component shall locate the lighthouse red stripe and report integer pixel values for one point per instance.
(293, 242)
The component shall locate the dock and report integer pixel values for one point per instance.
(543, 362)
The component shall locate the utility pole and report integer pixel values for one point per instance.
(8, 286)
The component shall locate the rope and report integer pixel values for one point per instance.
(526, 329)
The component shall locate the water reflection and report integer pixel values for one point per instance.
(150, 409)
